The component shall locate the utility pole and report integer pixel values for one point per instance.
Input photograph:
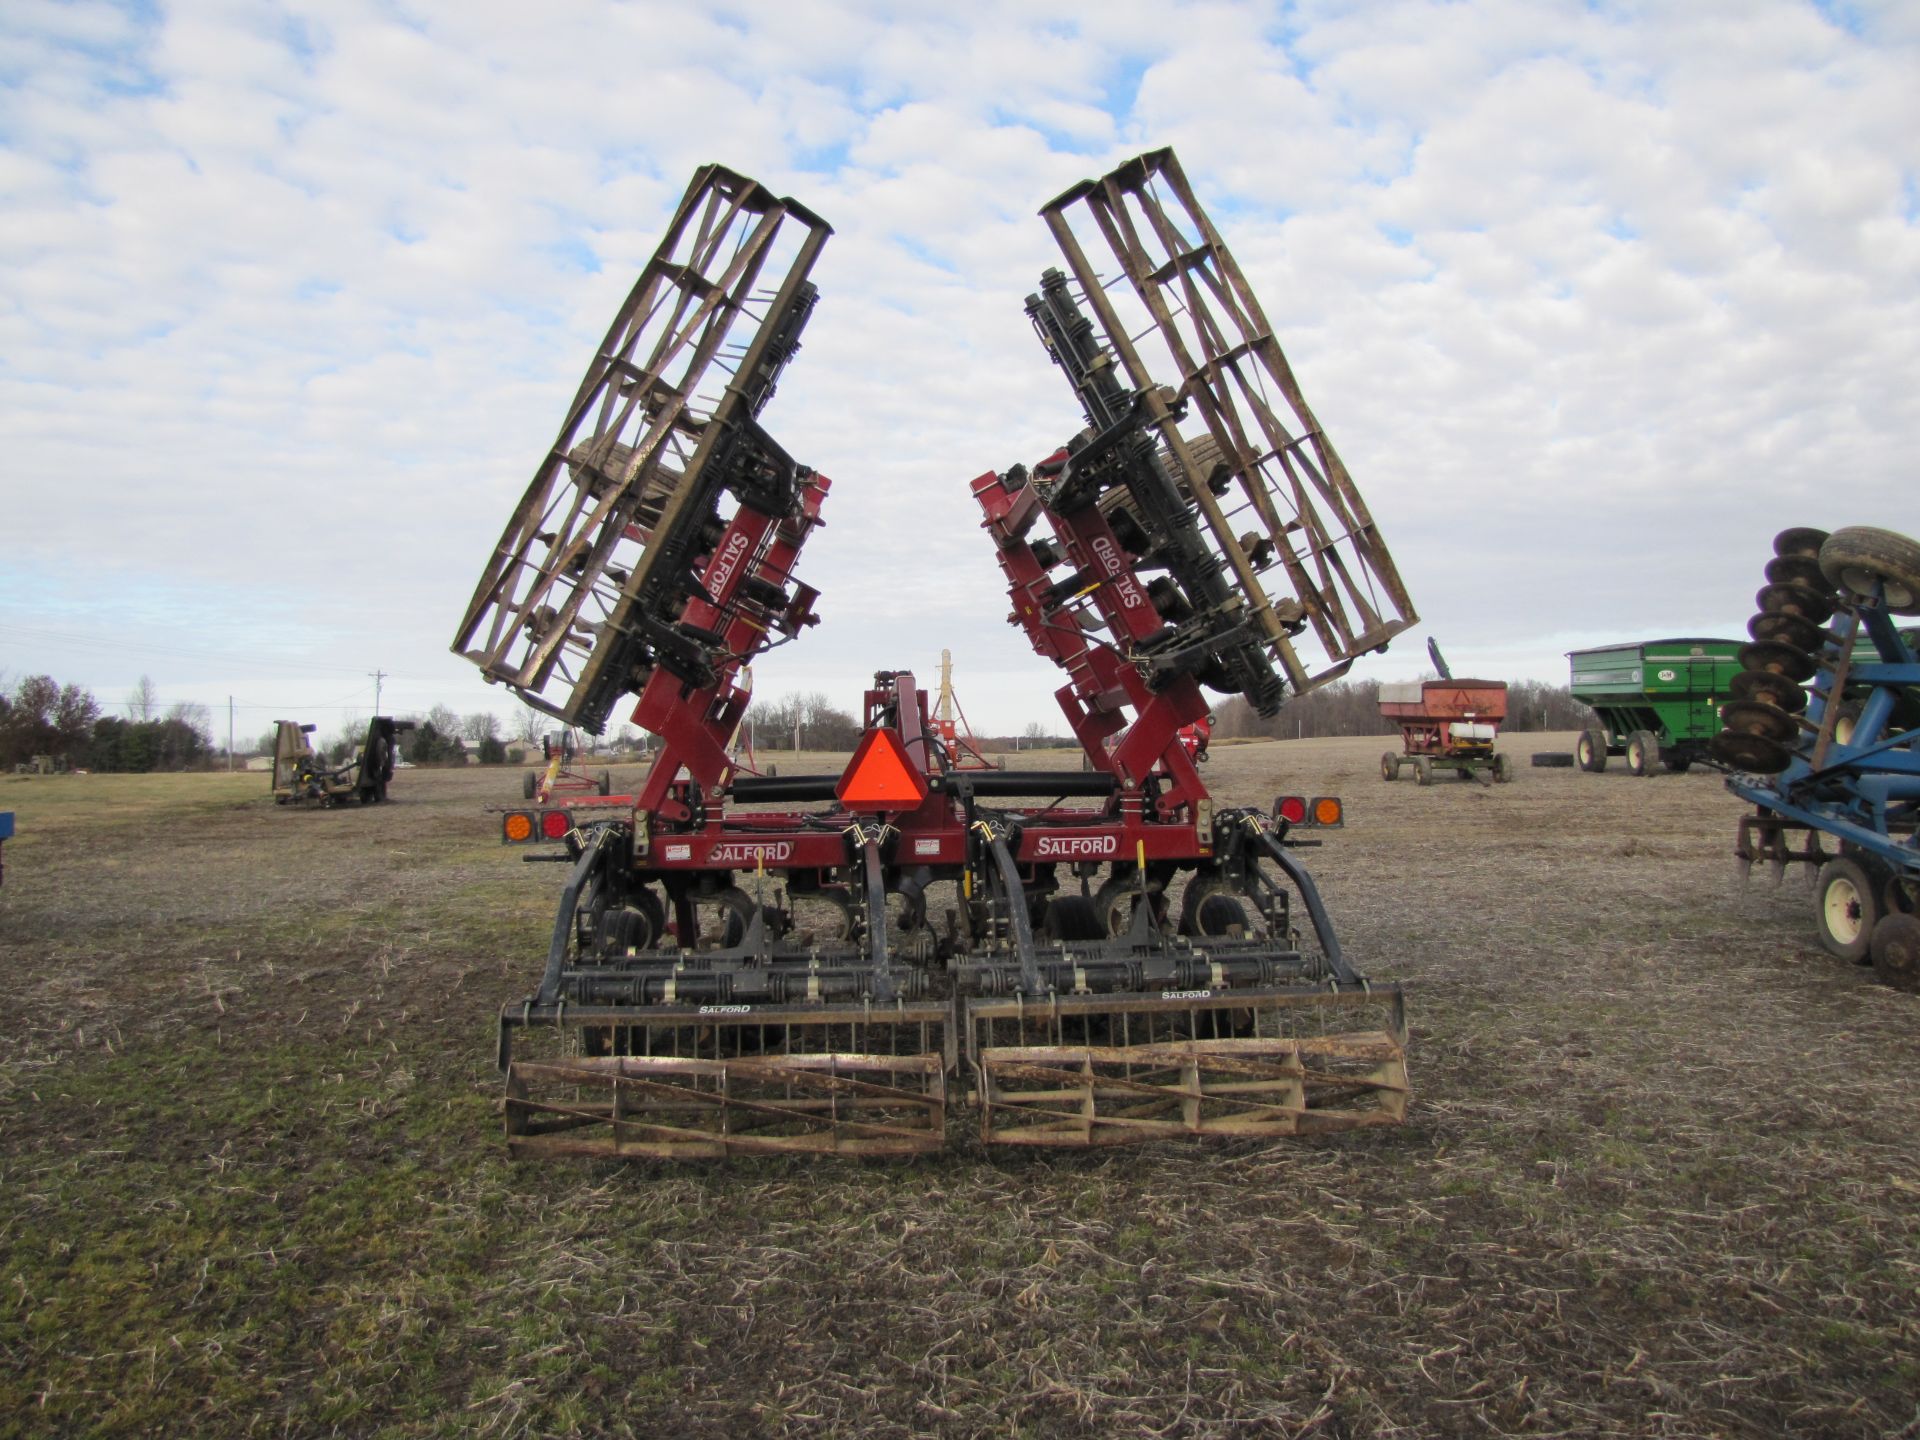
(229, 734)
(378, 676)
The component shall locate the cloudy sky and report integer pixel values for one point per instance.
(1593, 298)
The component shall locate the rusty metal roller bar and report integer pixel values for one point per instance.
(694, 352)
(1284, 497)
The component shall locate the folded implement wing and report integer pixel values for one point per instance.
(1272, 491)
(574, 606)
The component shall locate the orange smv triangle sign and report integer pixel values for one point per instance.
(880, 776)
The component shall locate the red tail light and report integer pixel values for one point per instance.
(1291, 808)
(554, 824)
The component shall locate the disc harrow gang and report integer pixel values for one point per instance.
(811, 964)
(1837, 760)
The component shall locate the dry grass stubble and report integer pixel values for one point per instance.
(1661, 1176)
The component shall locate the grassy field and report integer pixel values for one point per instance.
(1661, 1176)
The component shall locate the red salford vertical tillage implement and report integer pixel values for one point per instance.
(808, 974)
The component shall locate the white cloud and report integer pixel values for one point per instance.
(1591, 300)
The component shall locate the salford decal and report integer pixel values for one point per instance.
(1118, 575)
(722, 568)
(746, 852)
(1075, 847)
(726, 1010)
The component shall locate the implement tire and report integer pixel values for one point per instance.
(1643, 752)
(1590, 751)
(1861, 558)
(1846, 908)
(1389, 766)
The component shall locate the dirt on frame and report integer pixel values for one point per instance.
(1661, 1176)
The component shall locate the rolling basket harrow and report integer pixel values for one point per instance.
(751, 964)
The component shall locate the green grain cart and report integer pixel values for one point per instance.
(1656, 699)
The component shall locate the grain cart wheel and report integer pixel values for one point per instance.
(1845, 909)
(1389, 766)
(528, 784)
(1643, 752)
(1591, 750)
(1861, 559)
(1502, 769)
(606, 782)
(1423, 771)
(1896, 951)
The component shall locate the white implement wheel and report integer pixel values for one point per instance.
(1643, 752)
(1846, 907)
(1861, 559)
(1590, 750)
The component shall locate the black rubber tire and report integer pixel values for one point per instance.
(1845, 722)
(1846, 908)
(1861, 559)
(1896, 951)
(1643, 752)
(1221, 915)
(1117, 900)
(1552, 760)
(1894, 896)
(1389, 766)
(1072, 918)
(1678, 764)
(1502, 769)
(1590, 751)
(736, 907)
(1422, 770)
(626, 929)
(529, 784)
(606, 782)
